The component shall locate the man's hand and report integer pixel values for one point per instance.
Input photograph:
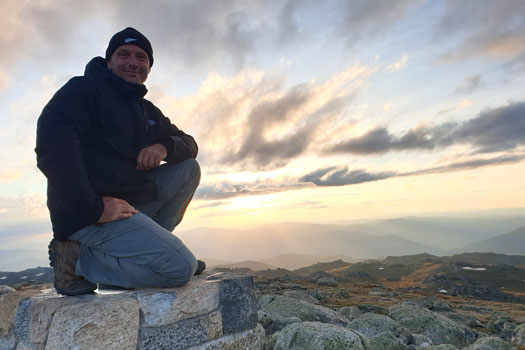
(115, 209)
(151, 156)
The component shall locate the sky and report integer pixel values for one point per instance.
(304, 111)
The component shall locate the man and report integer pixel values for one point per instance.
(112, 203)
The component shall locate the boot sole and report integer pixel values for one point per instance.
(73, 293)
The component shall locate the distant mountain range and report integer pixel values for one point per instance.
(295, 245)
(266, 242)
(252, 265)
(508, 243)
(19, 259)
(285, 261)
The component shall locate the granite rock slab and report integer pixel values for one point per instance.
(252, 339)
(166, 307)
(238, 304)
(101, 323)
(183, 334)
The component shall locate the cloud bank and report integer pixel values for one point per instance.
(489, 29)
(251, 122)
(493, 130)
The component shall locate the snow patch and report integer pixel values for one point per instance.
(39, 274)
(23, 277)
(380, 268)
(474, 268)
(3, 278)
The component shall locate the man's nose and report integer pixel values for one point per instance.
(133, 62)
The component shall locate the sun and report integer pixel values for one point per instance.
(249, 202)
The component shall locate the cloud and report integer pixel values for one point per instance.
(23, 208)
(195, 34)
(49, 29)
(516, 65)
(10, 175)
(380, 140)
(469, 164)
(365, 19)
(211, 205)
(4, 80)
(488, 28)
(469, 85)
(225, 190)
(342, 176)
(397, 66)
(333, 176)
(493, 130)
(42, 30)
(271, 114)
(251, 122)
(289, 30)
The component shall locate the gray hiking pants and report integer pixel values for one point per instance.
(141, 251)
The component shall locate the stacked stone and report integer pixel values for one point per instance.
(218, 312)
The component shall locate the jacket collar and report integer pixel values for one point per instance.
(97, 70)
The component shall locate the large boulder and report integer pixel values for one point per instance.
(438, 328)
(371, 325)
(381, 331)
(274, 323)
(302, 295)
(317, 336)
(279, 307)
(501, 324)
(434, 303)
(350, 312)
(490, 343)
(387, 341)
(464, 319)
(518, 336)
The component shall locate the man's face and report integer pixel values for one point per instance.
(131, 63)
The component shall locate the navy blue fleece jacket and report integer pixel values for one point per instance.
(89, 136)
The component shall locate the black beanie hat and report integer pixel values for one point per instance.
(129, 36)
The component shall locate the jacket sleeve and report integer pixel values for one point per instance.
(180, 146)
(63, 121)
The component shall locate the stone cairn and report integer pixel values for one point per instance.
(214, 312)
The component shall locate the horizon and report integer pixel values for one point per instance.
(440, 235)
(371, 111)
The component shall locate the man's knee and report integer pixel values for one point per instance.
(180, 279)
(187, 172)
(182, 273)
(194, 170)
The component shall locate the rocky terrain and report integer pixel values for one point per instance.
(470, 301)
(412, 302)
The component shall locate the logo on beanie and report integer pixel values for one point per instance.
(128, 40)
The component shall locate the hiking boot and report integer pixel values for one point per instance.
(110, 287)
(201, 266)
(63, 257)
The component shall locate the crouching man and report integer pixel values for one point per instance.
(112, 203)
